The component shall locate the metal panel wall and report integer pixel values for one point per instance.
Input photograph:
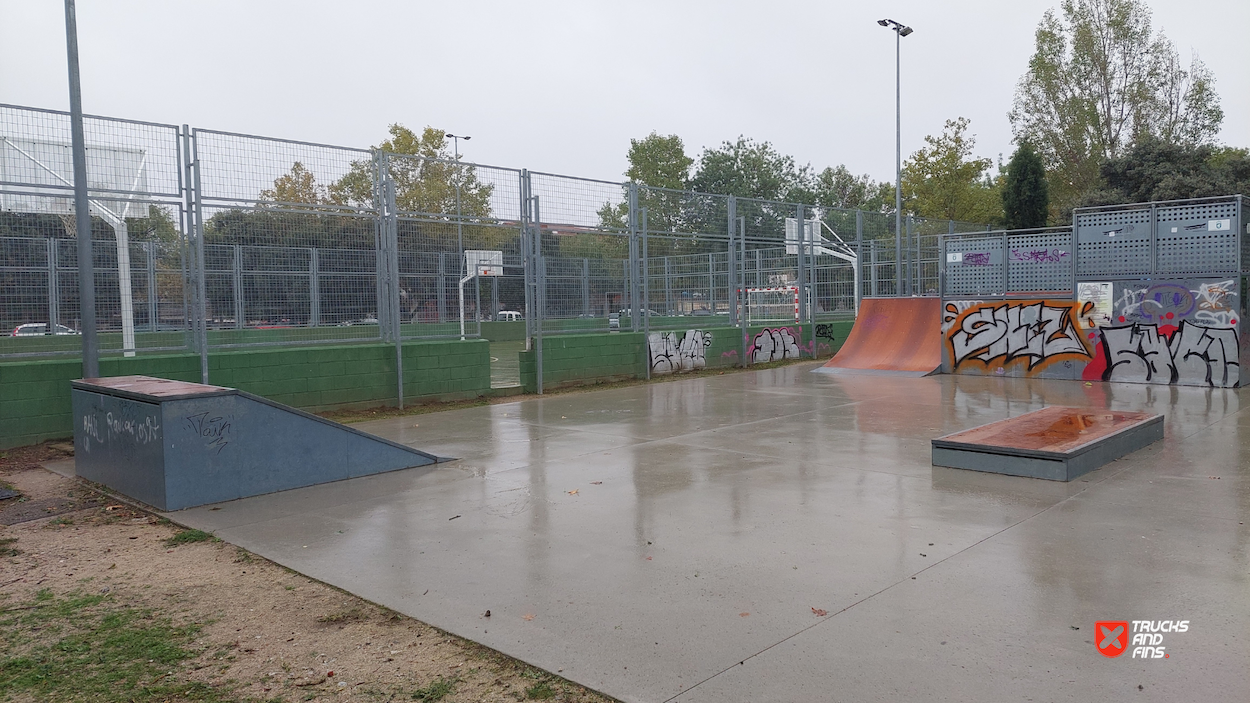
(1039, 262)
(1113, 242)
(974, 266)
(1197, 238)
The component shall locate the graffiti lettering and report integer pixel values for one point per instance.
(1035, 332)
(976, 258)
(671, 354)
(1194, 355)
(774, 345)
(1039, 256)
(142, 431)
(214, 429)
(824, 332)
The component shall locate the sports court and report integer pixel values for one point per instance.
(670, 541)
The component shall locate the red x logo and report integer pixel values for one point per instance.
(1111, 637)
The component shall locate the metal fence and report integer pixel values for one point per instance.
(206, 239)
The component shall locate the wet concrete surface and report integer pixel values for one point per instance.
(670, 541)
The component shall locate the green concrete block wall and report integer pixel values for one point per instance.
(586, 358)
(35, 395)
(589, 358)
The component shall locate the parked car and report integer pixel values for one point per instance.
(35, 329)
(508, 316)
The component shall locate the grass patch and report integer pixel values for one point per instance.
(540, 691)
(190, 537)
(87, 648)
(435, 691)
(7, 549)
(351, 614)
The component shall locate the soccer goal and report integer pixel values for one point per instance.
(780, 304)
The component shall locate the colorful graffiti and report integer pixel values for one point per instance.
(775, 344)
(1181, 332)
(669, 353)
(1189, 354)
(1040, 256)
(1029, 334)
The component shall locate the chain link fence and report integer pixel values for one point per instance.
(206, 239)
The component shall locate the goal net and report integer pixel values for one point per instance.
(772, 304)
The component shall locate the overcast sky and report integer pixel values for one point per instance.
(563, 86)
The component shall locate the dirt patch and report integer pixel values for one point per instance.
(218, 622)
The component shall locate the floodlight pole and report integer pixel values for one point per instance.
(82, 212)
(900, 30)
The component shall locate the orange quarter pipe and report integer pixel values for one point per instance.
(898, 336)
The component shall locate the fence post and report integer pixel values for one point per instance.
(150, 251)
(646, 302)
(442, 285)
(634, 312)
(859, 259)
(527, 265)
(195, 233)
(734, 310)
(586, 287)
(742, 287)
(909, 265)
(54, 316)
(237, 270)
(800, 234)
(314, 287)
(540, 293)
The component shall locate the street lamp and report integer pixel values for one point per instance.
(900, 31)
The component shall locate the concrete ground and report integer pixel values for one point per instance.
(676, 541)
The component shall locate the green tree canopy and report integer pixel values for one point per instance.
(1099, 80)
(298, 185)
(838, 187)
(1156, 170)
(425, 174)
(944, 180)
(750, 169)
(1026, 197)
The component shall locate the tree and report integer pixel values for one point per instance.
(1026, 197)
(425, 177)
(750, 169)
(661, 163)
(1099, 80)
(944, 181)
(297, 186)
(838, 187)
(1156, 170)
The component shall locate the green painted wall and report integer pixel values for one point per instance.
(589, 358)
(35, 395)
(585, 358)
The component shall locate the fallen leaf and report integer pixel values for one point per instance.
(527, 617)
(573, 492)
(487, 614)
(596, 483)
(820, 613)
(743, 615)
(111, 508)
(648, 558)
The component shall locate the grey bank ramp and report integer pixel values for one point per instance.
(176, 445)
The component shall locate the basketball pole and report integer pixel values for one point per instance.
(86, 270)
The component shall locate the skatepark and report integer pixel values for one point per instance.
(937, 462)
